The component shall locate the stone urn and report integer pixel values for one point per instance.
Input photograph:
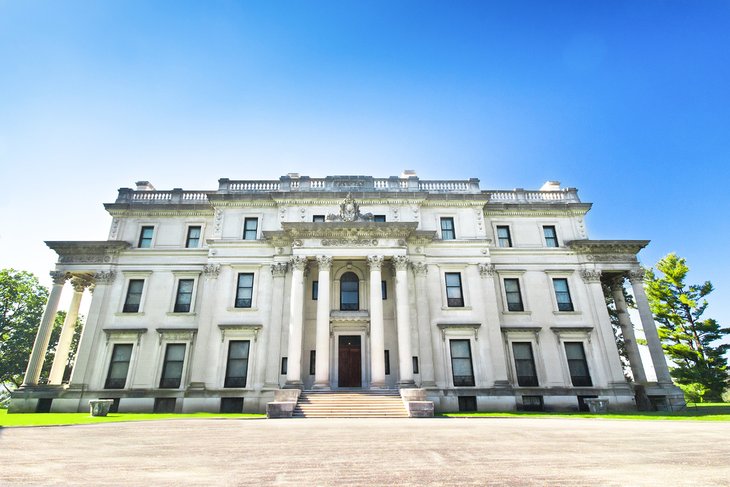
(100, 407)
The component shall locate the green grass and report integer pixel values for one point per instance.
(52, 419)
(697, 412)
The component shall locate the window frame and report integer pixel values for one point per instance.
(547, 239)
(177, 304)
(246, 230)
(507, 293)
(126, 295)
(566, 304)
(384, 289)
(188, 230)
(239, 287)
(166, 364)
(444, 219)
(111, 362)
(532, 363)
(468, 341)
(318, 219)
(315, 290)
(248, 359)
(386, 358)
(355, 292)
(140, 235)
(498, 238)
(460, 287)
(584, 363)
(379, 218)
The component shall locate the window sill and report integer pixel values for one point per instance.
(569, 313)
(508, 313)
(180, 313)
(139, 313)
(456, 308)
(243, 310)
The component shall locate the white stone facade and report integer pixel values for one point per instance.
(206, 300)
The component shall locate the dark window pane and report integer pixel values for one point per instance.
(447, 229)
(173, 365)
(562, 295)
(467, 403)
(312, 362)
(551, 238)
(250, 227)
(237, 366)
(134, 296)
(145, 237)
(415, 365)
(193, 239)
(318, 218)
(231, 405)
(384, 289)
(514, 297)
(524, 364)
(244, 292)
(454, 296)
(283, 365)
(379, 218)
(387, 362)
(349, 292)
(164, 405)
(532, 403)
(577, 364)
(315, 290)
(461, 365)
(503, 236)
(184, 295)
(119, 366)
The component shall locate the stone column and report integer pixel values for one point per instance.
(647, 322)
(296, 319)
(322, 343)
(627, 328)
(604, 331)
(403, 321)
(40, 346)
(273, 344)
(487, 273)
(377, 327)
(206, 341)
(67, 332)
(420, 269)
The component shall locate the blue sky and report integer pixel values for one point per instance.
(627, 101)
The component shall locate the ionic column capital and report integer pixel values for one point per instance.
(59, 277)
(375, 262)
(324, 262)
(299, 263)
(400, 262)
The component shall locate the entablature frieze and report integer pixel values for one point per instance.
(445, 327)
(87, 252)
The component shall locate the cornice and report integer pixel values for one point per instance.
(160, 211)
(89, 251)
(348, 230)
(532, 209)
(334, 199)
(604, 247)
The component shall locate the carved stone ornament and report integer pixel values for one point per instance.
(636, 275)
(211, 271)
(278, 269)
(400, 262)
(104, 277)
(299, 263)
(591, 275)
(324, 262)
(59, 277)
(349, 211)
(375, 262)
(347, 242)
(80, 283)
(486, 270)
(420, 268)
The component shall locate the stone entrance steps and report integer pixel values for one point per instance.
(350, 404)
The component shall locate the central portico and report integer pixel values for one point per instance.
(349, 268)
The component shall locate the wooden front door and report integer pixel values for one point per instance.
(349, 365)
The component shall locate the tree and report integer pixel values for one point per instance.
(686, 337)
(22, 301)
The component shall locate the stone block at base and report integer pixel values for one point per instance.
(281, 409)
(100, 407)
(420, 409)
(597, 405)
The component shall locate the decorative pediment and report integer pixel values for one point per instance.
(124, 334)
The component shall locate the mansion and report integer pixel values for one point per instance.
(224, 299)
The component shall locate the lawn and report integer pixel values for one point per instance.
(53, 419)
(697, 412)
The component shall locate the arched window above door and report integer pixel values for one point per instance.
(349, 292)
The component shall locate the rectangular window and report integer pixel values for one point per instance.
(315, 290)
(312, 361)
(467, 403)
(503, 236)
(532, 403)
(134, 296)
(551, 238)
(244, 292)
(384, 289)
(447, 229)
(379, 218)
(145, 237)
(318, 218)
(514, 297)
(237, 367)
(415, 365)
(387, 362)
(184, 295)
(173, 366)
(116, 378)
(454, 296)
(562, 294)
(164, 405)
(250, 228)
(577, 364)
(461, 366)
(193, 239)
(284, 363)
(524, 364)
(231, 405)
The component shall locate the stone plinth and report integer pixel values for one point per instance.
(280, 409)
(100, 407)
(420, 409)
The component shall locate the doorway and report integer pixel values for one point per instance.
(350, 361)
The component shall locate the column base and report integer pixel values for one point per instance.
(294, 384)
(321, 386)
(406, 384)
(377, 385)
